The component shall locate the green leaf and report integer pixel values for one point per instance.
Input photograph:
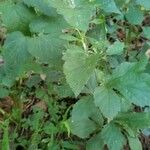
(15, 54)
(3, 92)
(78, 67)
(33, 81)
(91, 84)
(46, 48)
(134, 15)
(77, 13)
(131, 83)
(52, 25)
(63, 91)
(108, 101)
(116, 48)
(112, 136)
(144, 3)
(42, 6)
(134, 143)
(68, 37)
(85, 118)
(135, 120)
(95, 143)
(146, 32)
(108, 6)
(70, 145)
(135, 90)
(15, 16)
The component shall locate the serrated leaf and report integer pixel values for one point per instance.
(95, 143)
(108, 6)
(78, 67)
(68, 37)
(108, 101)
(135, 90)
(134, 143)
(42, 5)
(15, 16)
(46, 48)
(15, 54)
(116, 48)
(53, 25)
(112, 136)
(144, 3)
(77, 13)
(91, 84)
(135, 120)
(134, 15)
(129, 80)
(85, 117)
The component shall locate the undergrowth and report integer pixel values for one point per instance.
(74, 74)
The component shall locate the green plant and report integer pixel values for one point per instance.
(75, 70)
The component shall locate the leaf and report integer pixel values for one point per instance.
(112, 136)
(78, 67)
(91, 84)
(69, 37)
(115, 49)
(131, 83)
(77, 13)
(46, 48)
(136, 91)
(134, 143)
(42, 6)
(15, 16)
(3, 92)
(108, 101)
(144, 3)
(108, 6)
(95, 143)
(33, 81)
(134, 15)
(85, 117)
(15, 54)
(70, 145)
(63, 91)
(52, 25)
(135, 120)
(146, 32)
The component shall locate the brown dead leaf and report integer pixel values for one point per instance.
(6, 104)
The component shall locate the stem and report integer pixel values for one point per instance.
(82, 36)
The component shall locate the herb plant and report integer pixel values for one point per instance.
(73, 72)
